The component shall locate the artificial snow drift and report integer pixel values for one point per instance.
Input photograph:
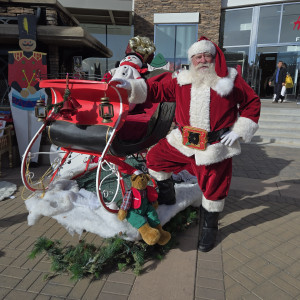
(78, 209)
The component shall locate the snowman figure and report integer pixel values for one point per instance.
(130, 69)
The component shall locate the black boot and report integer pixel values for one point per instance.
(166, 193)
(209, 231)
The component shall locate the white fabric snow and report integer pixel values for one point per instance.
(79, 210)
(6, 189)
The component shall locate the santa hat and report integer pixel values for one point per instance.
(205, 45)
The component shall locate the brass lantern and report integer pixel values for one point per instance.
(106, 110)
(40, 110)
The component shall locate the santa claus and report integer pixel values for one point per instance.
(215, 108)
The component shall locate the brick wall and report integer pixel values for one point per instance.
(209, 10)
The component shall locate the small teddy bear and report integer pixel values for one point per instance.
(138, 207)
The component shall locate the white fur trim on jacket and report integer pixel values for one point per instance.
(213, 205)
(213, 153)
(245, 128)
(138, 91)
(200, 107)
(159, 175)
(222, 85)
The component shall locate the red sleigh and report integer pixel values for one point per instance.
(94, 119)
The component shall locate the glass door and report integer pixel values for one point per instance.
(268, 58)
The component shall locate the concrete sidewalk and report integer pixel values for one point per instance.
(257, 256)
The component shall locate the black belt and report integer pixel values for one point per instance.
(212, 136)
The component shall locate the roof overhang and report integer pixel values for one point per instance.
(68, 36)
(106, 12)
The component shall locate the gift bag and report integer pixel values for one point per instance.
(289, 81)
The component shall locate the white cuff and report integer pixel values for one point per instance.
(213, 205)
(245, 128)
(159, 175)
(138, 91)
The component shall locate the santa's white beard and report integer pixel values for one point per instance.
(207, 76)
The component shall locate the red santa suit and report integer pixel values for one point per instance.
(226, 101)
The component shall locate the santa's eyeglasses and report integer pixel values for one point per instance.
(207, 56)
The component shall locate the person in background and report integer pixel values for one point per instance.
(279, 81)
(283, 89)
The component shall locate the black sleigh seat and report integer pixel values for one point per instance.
(144, 126)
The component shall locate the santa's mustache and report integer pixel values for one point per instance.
(201, 65)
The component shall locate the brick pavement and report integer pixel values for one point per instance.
(257, 256)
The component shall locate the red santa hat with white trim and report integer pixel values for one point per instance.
(205, 45)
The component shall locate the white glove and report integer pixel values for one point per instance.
(124, 84)
(229, 137)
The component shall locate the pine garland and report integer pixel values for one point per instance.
(86, 259)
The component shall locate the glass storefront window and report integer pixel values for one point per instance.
(237, 25)
(113, 37)
(268, 59)
(165, 40)
(237, 56)
(290, 28)
(269, 22)
(173, 42)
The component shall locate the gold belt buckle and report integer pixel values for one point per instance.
(195, 138)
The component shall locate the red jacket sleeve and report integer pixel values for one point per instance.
(161, 88)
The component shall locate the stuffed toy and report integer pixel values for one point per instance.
(130, 68)
(138, 207)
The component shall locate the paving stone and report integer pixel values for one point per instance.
(38, 284)
(4, 292)
(12, 253)
(108, 296)
(210, 265)
(28, 280)
(13, 295)
(238, 255)
(17, 241)
(207, 273)
(285, 286)
(8, 282)
(269, 291)
(268, 271)
(79, 289)
(15, 272)
(243, 280)
(56, 290)
(237, 291)
(252, 275)
(228, 281)
(34, 232)
(250, 297)
(210, 283)
(6, 261)
(117, 288)
(280, 260)
(5, 237)
(230, 263)
(93, 290)
(42, 297)
(206, 293)
(62, 280)
(42, 266)
(121, 277)
(295, 282)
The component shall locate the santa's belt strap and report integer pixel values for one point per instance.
(212, 136)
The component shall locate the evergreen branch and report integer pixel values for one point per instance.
(86, 259)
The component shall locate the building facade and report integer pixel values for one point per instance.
(254, 34)
(258, 36)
